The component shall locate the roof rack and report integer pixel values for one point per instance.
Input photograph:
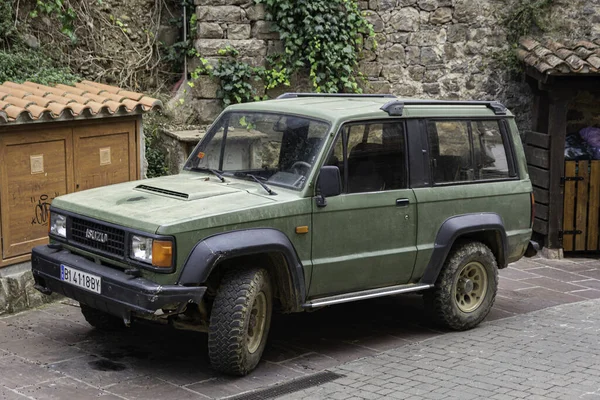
(296, 95)
(396, 107)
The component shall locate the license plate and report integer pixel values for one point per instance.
(81, 279)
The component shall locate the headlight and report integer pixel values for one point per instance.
(159, 253)
(58, 225)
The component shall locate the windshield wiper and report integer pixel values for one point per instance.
(213, 171)
(271, 192)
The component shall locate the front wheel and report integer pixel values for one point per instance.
(240, 321)
(466, 288)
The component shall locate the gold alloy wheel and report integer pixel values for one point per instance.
(470, 287)
(256, 325)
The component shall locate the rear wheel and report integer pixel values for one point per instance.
(240, 321)
(466, 288)
(101, 320)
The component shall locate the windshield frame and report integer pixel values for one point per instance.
(223, 121)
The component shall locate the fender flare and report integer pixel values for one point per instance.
(214, 249)
(457, 226)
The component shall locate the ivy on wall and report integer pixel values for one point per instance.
(324, 37)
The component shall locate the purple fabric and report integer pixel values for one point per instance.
(591, 136)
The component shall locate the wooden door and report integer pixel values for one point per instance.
(35, 168)
(104, 154)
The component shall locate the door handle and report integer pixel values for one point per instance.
(402, 202)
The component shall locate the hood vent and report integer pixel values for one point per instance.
(163, 191)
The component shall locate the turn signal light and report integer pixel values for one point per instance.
(162, 253)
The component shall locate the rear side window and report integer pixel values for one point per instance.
(465, 151)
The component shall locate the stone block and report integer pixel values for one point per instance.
(416, 72)
(238, 31)
(274, 47)
(413, 55)
(207, 110)
(382, 5)
(457, 33)
(466, 10)
(552, 254)
(395, 54)
(370, 69)
(454, 51)
(363, 5)
(264, 30)
(427, 38)
(393, 72)
(431, 88)
(406, 3)
(430, 56)
(406, 19)
(256, 12)
(399, 37)
(427, 5)
(376, 87)
(406, 89)
(220, 2)
(220, 13)
(209, 30)
(433, 75)
(441, 16)
(247, 48)
(205, 87)
(376, 21)
(367, 55)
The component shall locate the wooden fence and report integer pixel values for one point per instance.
(581, 205)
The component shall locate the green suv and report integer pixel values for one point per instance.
(298, 203)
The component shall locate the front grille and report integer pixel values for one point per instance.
(115, 243)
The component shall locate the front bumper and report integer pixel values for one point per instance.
(120, 295)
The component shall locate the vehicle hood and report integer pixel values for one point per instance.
(150, 203)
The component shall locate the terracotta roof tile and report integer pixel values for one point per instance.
(30, 102)
(552, 57)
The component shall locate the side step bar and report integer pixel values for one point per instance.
(365, 294)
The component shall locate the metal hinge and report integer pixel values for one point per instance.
(570, 178)
(575, 232)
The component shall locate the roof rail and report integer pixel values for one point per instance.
(296, 95)
(396, 107)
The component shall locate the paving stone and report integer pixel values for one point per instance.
(150, 388)
(553, 284)
(96, 371)
(557, 274)
(65, 388)
(18, 373)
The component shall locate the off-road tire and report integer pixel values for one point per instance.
(229, 327)
(442, 299)
(101, 320)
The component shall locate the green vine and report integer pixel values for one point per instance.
(325, 36)
(525, 17)
(62, 11)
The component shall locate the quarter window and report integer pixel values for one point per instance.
(463, 151)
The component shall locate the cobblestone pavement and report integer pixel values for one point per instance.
(53, 353)
(548, 354)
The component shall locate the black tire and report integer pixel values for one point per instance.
(101, 320)
(232, 347)
(450, 301)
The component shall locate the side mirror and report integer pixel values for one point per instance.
(329, 184)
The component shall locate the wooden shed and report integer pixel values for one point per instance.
(57, 140)
(565, 79)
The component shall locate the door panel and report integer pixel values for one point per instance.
(35, 169)
(104, 155)
(363, 241)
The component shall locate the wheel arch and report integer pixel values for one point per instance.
(487, 228)
(267, 247)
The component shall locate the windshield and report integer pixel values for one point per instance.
(275, 148)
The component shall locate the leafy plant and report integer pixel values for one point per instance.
(156, 158)
(324, 36)
(7, 26)
(62, 11)
(22, 64)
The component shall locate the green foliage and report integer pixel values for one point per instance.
(175, 54)
(20, 65)
(524, 16)
(324, 36)
(62, 11)
(7, 24)
(156, 158)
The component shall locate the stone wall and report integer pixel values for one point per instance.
(443, 49)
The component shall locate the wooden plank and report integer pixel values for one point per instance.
(594, 206)
(537, 157)
(541, 195)
(537, 139)
(540, 226)
(569, 205)
(581, 208)
(541, 211)
(557, 129)
(539, 177)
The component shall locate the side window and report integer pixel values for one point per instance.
(375, 157)
(463, 151)
(490, 152)
(450, 151)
